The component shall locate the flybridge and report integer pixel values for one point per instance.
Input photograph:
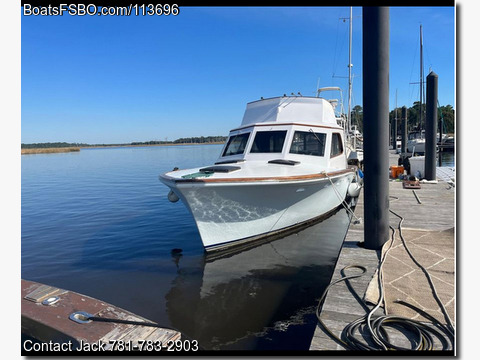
(292, 109)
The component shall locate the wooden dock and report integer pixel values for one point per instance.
(429, 230)
(59, 319)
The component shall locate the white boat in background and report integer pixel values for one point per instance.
(416, 142)
(447, 144)
(354, 147)
(353, 137)
(284, 166)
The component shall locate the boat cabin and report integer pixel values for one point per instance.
(287, 131)
(415, 135)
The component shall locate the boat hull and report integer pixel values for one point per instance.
(229, 214)
(417, 146)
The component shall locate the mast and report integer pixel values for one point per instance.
(396, 97)
(349, 114)
(395, 126)
(421, 80)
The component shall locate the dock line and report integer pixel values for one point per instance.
(84, 318)
(416, 197)
(344, 203)
(129, 322)
(425, 333)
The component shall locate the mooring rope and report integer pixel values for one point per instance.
(424, 333)
(343, 202)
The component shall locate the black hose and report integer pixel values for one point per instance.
(423, 334)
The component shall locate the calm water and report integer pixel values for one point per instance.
(98, 222)
(447, 159)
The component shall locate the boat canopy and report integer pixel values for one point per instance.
(291, 109)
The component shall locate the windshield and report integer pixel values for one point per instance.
(269, 142)
(236, 144)
(308, 143)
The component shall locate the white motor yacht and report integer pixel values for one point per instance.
(284, 166)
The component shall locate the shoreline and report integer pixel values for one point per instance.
(56, 150)
(144, 145)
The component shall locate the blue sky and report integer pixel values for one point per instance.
(112, 79)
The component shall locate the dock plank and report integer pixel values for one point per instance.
(51, 322)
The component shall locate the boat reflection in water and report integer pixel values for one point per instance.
(261, 298)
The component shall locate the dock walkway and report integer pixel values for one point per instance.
(429, 231)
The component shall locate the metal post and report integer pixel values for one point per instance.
(431, 127)
(404, 131)
(376, 43)
(440, 148)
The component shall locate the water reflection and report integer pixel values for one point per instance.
(446, 159)
(239, 301)
(108, 232)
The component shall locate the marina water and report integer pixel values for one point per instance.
(98, 222)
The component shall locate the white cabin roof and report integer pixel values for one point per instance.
(291, 109)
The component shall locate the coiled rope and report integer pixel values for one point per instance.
(423, 334)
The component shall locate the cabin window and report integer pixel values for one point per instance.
(268, 142)
(236, 144)
(308, 143)
(337, 146)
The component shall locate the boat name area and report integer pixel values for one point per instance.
(30, 346)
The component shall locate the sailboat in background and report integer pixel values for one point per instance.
(354, 139)
(416, 139)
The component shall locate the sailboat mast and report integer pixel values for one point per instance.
(421, 80)
(349, 115)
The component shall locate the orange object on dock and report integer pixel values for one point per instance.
(397, 170)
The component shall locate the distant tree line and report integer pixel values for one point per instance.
(445, 114)
(52, 145)
(190, 140)
(201, 140)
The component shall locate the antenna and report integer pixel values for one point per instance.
(318, 85)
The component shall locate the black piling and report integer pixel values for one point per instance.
(376, 44)
(431, 127)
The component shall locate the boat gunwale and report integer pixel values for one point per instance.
(317, 176)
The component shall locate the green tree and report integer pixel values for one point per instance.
(357, 117)
(448, 114)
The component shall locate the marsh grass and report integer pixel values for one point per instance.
(49, 150)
